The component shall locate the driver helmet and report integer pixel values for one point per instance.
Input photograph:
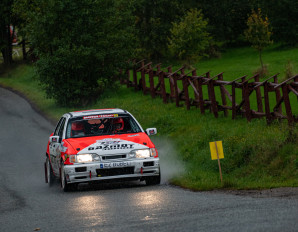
(118, 124)
(77, 127)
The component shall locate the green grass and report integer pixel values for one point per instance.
(238, 62)
(256, 155)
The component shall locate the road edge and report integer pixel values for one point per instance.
(31, 103)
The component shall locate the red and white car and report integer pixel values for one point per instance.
(100, 145)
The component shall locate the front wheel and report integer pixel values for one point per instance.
(153, 180)
(64, 185)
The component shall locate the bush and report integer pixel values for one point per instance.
(64, 76)
(81, 46)
(189, 38)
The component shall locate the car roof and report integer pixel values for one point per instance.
(96, 111)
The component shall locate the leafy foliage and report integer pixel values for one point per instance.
(153, 23)
(226, 19)
(189, 38)
(256, 155)
(6, 20)
(258, 32)
(80, 46)
(284, 20)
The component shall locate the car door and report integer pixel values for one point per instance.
(55, 146)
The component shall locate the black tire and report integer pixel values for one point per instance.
(50, 178)
(64, 185)
(153, 180)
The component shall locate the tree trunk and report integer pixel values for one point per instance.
(7, 50)
(24, 49)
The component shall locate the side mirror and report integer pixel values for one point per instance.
(54, 139)
(151, 131)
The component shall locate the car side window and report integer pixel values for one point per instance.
(60, 133)
(59, 125)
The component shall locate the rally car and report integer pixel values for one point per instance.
(99, 146)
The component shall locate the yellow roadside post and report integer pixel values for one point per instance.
(217, 153)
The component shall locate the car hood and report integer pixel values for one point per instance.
(110, 144)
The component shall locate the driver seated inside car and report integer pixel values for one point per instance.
(118, 125)
(77, 129)
(98, 126)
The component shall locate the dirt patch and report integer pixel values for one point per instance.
(285, 192)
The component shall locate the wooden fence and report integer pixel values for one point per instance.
(154, 80)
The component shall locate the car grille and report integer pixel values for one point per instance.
(81, 169)
(115, 171)
(113, 157)
(147, 164)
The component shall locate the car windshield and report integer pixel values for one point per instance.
(95, 125)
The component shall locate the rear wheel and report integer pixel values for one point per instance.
(50, 178)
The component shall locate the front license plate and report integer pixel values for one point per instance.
(114, 165)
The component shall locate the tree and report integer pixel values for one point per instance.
(153, 23)
(283, 19)
(81, 46)
(226, 21)
(189, 38)
(6, 21)
(258, 32)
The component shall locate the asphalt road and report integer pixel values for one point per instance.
(28, 204)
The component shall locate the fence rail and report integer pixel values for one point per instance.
(180, 84)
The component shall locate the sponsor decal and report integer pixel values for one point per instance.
(101, 116)
(133, 135)
(111, 147)
(110, 144)
(66, 157)
(108, 141)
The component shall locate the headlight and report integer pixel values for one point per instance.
(84, 158)
(144, 153)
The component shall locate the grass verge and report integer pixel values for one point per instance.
(256, 155)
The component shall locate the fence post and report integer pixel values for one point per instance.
(212, 98)
(233, 100)
(196, 84)
(223, 96)
(267, 104)
(245, 92)
(209, 93)
(172, 93)
(162, 86)
(201, 98)
(285, 92)
(185, 88)
(259, 95)
(176, 90)
(277, 94)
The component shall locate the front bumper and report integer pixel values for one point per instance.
(112, 170)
